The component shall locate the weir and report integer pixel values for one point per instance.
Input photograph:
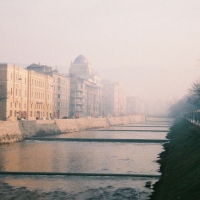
(141, 126)
(78, 174)
(134, 130)
(96, 140)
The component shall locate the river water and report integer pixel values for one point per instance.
(94, 158)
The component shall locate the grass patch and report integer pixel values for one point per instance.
(180, 164)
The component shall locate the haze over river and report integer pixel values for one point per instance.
(94, 158)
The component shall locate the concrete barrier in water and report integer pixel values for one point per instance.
(77, 174)
(11, 131)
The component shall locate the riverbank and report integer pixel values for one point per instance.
(11, 131)
(180, 163)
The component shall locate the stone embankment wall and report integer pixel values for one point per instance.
(11, 131)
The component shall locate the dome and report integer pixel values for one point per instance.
(80, 60)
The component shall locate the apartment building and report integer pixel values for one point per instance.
(85, 89)
(61, 89)
(28, 95)
(113, 98)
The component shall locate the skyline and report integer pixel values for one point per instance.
(152, 47)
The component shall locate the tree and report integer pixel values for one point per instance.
(194, 94)
(181, 107)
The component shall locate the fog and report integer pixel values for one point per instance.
(152, 47)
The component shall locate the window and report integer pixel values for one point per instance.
(10, 113)
(16, 92)
(11, 104)
(30, 113)
(11, 92)
(58, 96)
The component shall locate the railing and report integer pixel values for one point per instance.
(193, 117)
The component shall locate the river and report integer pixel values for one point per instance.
(101, 169)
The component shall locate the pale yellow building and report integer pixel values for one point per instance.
(61, 89)
(61, 95)
(113, 99)
(28, 94)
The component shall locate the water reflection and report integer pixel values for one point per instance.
(137, 128)
(82, 157)
(113, 135)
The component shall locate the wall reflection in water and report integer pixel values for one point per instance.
(81, 157)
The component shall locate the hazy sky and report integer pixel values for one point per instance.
(151, 46)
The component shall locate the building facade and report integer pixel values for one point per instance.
(61, 89)
(85, 90)
(28, 94)
(61, 95)
(113, 99)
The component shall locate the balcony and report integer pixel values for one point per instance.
(77, 95)
(78, 102)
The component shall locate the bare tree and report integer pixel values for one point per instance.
(194, 94)
(181, 107)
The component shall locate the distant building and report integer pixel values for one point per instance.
(134, 105)
(28, 94)
(113, 99)
(85, 89)
(61, 89)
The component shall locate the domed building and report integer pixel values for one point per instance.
(85, 89)
(80, 67)
(80, 60)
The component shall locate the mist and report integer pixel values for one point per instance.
(151, 47)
